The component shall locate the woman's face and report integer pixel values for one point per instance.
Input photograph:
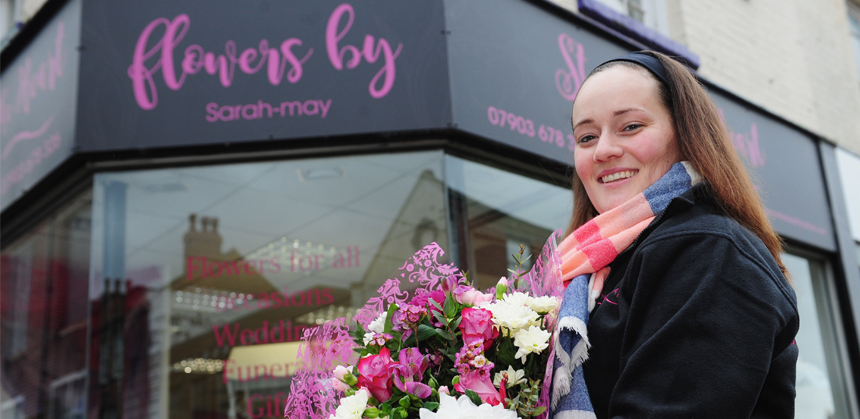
(624, 136)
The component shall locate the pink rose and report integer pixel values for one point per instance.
(375, 375)
(477, 324)
(481, 384)
(340, 372)
(467, 295)
(339, 385)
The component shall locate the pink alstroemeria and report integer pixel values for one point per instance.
(412, 363)
(481, 384)
(408, 372)
(415, 388)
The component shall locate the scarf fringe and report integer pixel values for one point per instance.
(562, 376)
(575, 414)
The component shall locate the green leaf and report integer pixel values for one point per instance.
(404, 401)
(450, 308)
(410, 341)
(440, 317)
(435, 304)
(539, 410)
(431, 406)
(425, 332)
(474, 397)
(388, 325)
(456, 323)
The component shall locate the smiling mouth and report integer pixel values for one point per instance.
(618, 176)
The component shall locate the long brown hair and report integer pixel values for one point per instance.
(704, 141)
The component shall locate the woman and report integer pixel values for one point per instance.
(691, 314)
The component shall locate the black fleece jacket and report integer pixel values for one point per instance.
(695, 321)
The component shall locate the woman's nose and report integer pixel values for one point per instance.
(607, 148)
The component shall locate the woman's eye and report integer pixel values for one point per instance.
(631, 127)
(585, 139)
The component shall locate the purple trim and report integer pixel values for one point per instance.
(636, 30)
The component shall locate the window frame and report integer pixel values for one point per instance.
(828, 303)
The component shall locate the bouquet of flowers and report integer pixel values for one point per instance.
(442, 350)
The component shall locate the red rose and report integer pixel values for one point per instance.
(375, 375)
(477, 324)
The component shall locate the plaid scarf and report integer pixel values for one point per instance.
(586, 254)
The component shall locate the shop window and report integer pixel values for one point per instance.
(854, 21)
(495, 211)
(44, 277)
(822, 389)
(642, 20)
(650, 13)
(205, 278)
(8, 17)
(12, 408)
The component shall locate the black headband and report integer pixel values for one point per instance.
(650, 63)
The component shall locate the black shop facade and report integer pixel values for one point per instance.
(188, 186)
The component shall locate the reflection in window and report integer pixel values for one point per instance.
(495, 211)
(820, 389)
(205, 278)
(651, 13)
(43, 339)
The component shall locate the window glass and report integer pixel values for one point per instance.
(43, 308)
(495, 211)
(820, 389)
(854, 20)
(205, 278)
(651, 13)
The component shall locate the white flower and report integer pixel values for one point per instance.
(463, 408)
(368, 337)
(351, 407)
(512, 317)
(543, 305)
(515, 377)
(534, 340)
(378, 325)
(518, 299)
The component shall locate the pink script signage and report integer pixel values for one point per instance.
(285, 60)
(569, 81)
(41, 142)
(746, 144)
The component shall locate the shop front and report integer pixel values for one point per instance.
(232, 176)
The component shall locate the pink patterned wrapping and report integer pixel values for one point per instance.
(424, 273)
(322, 349)
(544, 279)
